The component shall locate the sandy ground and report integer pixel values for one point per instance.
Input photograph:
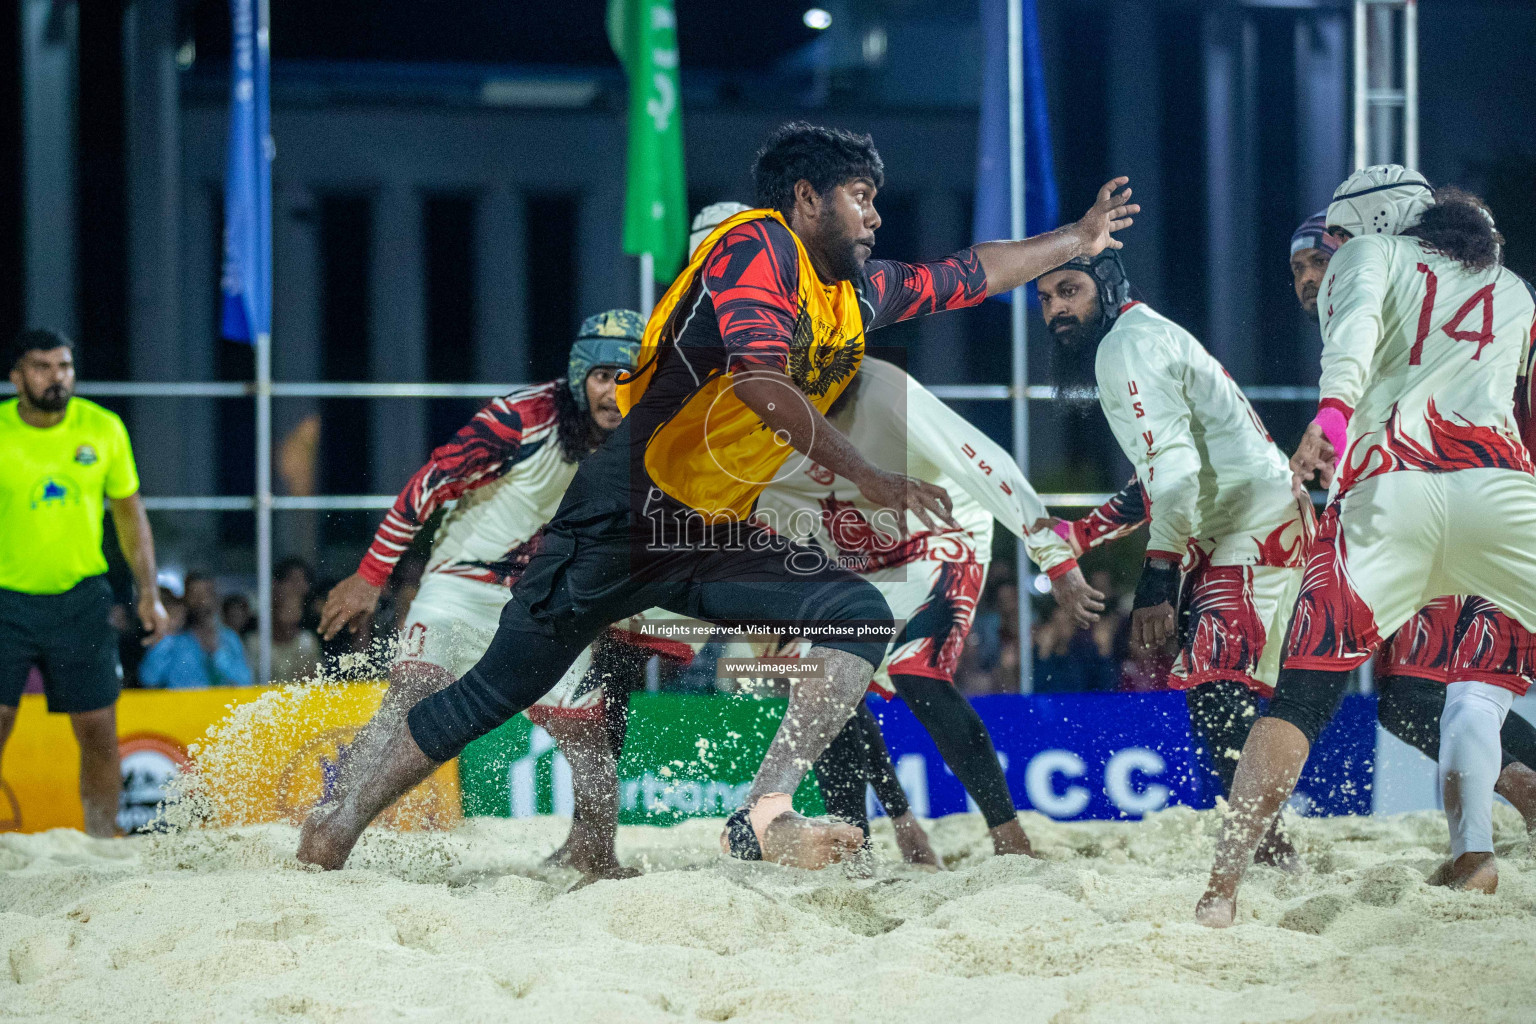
(465, 926)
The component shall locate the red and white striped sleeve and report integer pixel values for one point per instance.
(482, 451)
(1118, 517)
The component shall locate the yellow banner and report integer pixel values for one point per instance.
(256, 755)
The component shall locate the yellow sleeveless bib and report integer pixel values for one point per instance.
(715, 454)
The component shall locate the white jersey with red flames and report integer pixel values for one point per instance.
(504, 474)
(1213, 479)
(1420, 356)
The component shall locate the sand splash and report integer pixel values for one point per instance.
(273, 758)
(222, 924)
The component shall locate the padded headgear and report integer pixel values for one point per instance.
(610, 338)
(1314, 234)
(709, 218)
(1384, 199)
(1109, 274)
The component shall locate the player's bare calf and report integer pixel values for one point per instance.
(332, 830)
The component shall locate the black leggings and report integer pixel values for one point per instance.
(1409, 708)
(857, 756)
(1220, 715)
(957, 731)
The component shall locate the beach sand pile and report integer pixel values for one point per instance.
(221, 924)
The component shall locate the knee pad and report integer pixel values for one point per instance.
(852, 600)
(1308, 698)
(450, 719)
(1409, 708)
(858, 600)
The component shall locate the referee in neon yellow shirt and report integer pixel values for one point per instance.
(61, 458)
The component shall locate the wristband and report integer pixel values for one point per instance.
(1335, 428)
(1159, 584)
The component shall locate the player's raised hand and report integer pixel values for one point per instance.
(1112, 211)
(349, 604)
(1073, 592)
(929, 502)
(1315, 458)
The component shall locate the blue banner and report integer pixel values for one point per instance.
(246, 279)
(992, 218)
(1117, 755)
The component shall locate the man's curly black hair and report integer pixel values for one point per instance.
(573, 427)
(1459, 226)
(825, 157)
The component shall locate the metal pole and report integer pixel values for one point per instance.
(264, 394)
(1411, 85)
(1360, 86)
(1020, 308)
(647, 284)
(264, 506)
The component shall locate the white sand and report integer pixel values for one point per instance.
(464, 926)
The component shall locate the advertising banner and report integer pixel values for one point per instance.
(262, 754)
(1073, 756)
(268, 755)
(685, 756)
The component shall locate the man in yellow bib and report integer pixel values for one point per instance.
(750, 346)
(61, 457)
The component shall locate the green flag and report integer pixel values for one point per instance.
(644, 35)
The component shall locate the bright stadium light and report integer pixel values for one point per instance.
(817, 19)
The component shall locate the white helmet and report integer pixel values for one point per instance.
(1386, 199)
(709, 218)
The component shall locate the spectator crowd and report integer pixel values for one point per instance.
(214, 635)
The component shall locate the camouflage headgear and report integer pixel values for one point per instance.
(611, 338)
(1314, 234)
(1108, 274)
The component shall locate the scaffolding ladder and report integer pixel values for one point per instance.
(1386, 82)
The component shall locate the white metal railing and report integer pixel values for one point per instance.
(369, 389)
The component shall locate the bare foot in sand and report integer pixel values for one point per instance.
(796, 841)
(1471, 872)
(1216, 911)
(328, 836)
(1009, 839)
(614, 872)
(1276, 851)
(785, 837)
(590, 851)
(913, 842)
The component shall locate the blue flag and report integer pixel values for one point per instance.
(246, 280)
(992, 219)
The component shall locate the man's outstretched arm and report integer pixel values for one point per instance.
(1011, 264)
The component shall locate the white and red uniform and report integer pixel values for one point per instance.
(932, 580)
(1216, 490)
(502, 476)
(1435, 493)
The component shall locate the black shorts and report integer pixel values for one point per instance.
(70, 638)
(599, 570)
